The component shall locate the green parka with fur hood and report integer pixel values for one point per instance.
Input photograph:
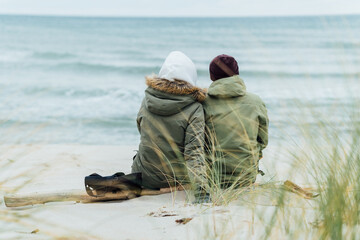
(237, 131)
(171, 124)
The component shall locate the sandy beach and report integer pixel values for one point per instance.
(71, 89)
(59, 168)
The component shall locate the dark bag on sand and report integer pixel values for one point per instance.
(97, 185)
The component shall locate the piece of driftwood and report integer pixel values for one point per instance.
(20, 200)
(289, 186)
(304, 192)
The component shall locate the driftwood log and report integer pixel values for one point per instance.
(20, 200)
(307, 193)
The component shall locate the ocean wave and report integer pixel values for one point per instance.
(128, 123)
(83, 93)
(65, 91)
(52, 55)
(120, 122)
(289, 74)
(341, 45)
(104, 68)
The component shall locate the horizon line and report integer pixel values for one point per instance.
(179, 16)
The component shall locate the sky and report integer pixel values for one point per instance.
(178, 8)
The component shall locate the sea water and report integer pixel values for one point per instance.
(81, 79)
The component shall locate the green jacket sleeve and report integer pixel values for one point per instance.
(262, 137)
(138, 122)
(194, 147)
(139, 117)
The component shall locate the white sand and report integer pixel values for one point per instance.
(63, 167)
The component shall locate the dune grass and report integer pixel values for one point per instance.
(329, 158)
(326, 153)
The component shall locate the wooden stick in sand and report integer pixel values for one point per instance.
(20, 200)
(305, 193)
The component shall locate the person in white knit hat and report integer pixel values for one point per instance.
(178, 66)
(171, 125)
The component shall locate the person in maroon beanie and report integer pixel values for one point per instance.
(223, 66)
(236, 126)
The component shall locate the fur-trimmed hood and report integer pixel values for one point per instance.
(176, 87)
(164, 97)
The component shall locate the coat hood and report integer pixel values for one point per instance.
(165, 97)
(178, 66)
(227, 87)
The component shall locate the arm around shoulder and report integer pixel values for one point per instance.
(194, 146)
(263, 118)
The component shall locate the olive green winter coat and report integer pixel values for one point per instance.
(237, 131)
(171, 124)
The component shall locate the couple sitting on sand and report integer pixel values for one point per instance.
(189, 135)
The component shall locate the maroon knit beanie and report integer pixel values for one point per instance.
(223, 66)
